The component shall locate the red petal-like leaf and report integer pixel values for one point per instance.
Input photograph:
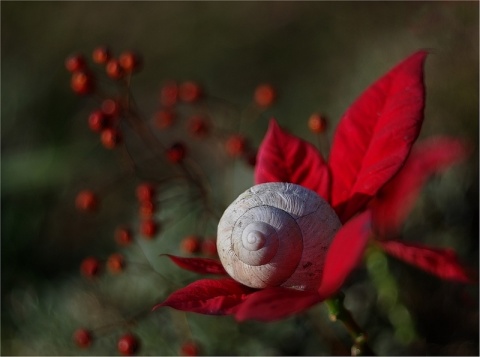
(395, 201)
(440, 262)
(198, 265)
(345, 253)
(283, 157)
(275, 303)
(375, 135)
(210, 297)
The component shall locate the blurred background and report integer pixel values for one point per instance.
(319, 56)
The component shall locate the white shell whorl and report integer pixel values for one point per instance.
(276, 234)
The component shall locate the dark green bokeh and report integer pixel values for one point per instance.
(319, 55)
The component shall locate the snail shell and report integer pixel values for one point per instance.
(276, 234)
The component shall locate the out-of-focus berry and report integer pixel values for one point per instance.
(148, 228)
(82, 338)
(190, 92)
(90, 267)
(114, 70)
(97, 121)
(75, 63)
(189, 348)
(190, 244)
(87, 201)
(147, 209)
(82, 83)
(110, 107)
(129, 61)
(110, 138)
(264, 95)
(101, 55)
(115, 263)
(317, 123)
(198, 126)
(235, 145)
(145, 192)
(209, 247)
(128, 344)
(176, 153)
(123, 236)
(169, 94)
(164, 118)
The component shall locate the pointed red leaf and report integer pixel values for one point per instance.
(198, 265)
(283, 157)
(345, 253)
(440, 262)
(275, 303)
(396, 199)
(210, 297)
(375, 135)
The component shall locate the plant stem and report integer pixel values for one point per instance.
(338, 312)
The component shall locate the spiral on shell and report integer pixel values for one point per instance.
(276, 234)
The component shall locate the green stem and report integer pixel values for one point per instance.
(338, 312)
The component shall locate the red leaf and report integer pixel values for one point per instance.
(283, 157)
(210, 297)
(275, 303)
(396, 199)
(198, 265)
(375, 135)
(345, 253)
(440, 262)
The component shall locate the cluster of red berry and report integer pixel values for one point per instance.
(103, 120)
(192, 244)
(127, 345)
(88, 201)
(115, 115)
(91, 267)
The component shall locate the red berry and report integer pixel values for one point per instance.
(90, 267)
(147, 209)
(123, 236)
(101, 55)
(86, 200)
(148, 228)
(83, 338)
(317, 123)
(114, 70)
(97, 121)
(190, 92)
(82, 83)
(190, 244)
(145, 192)
(164, 118)
(264, 95)
(75, 63)
(190, 348)
(176, 153)
(209, 247)
(169, 94)
(110, 107)
(197, 126)
(235, 145)
(128, 344)
(110, 138)
(129, 61)
(115, 263)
